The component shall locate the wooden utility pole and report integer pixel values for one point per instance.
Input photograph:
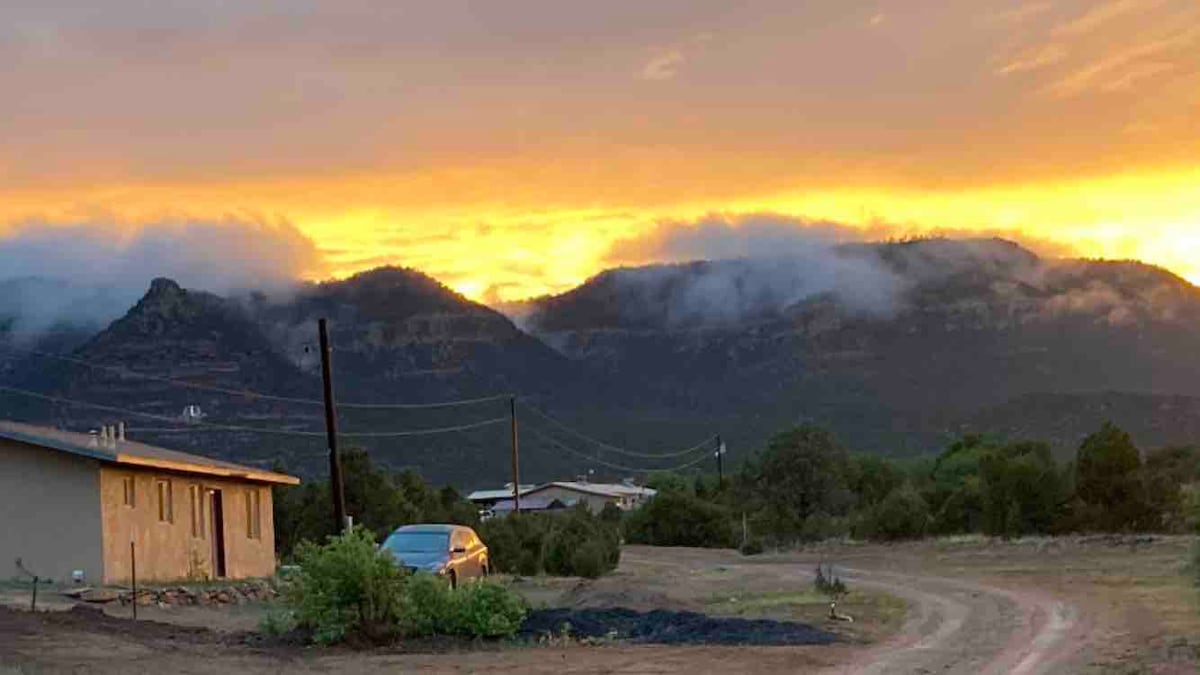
(516, 472)
(336, 488)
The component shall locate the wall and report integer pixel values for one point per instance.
(169, 551)
(49, 513)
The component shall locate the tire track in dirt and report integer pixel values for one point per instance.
(958, 626)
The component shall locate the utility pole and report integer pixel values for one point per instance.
(720, 462)
(336, 488)
(512, 402)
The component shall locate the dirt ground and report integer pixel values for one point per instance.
(1090, 605)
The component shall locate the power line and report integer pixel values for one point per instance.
(204, 426)
(211, 426)
(249, 393)
(622, 451)
(611, 465)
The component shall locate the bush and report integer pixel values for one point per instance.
(903, 514)
(482, 609)
(345, 587)
(517, 542)
(579, 544)
(753, 547)
(680, 519)
(575, 543)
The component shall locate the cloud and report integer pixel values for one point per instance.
(663, 66)
(91, 273)
(1102, 14)
(1034, 58)
(724, 236)
(1121, 70)
(1020, 13)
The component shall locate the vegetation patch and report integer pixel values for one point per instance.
(349, 590)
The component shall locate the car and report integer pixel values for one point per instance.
(454, 552)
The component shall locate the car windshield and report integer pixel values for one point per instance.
(418, 542)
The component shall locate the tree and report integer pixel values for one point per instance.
(1107, 480)
(801, 473)
(680, 519)
(954, 492)
(1021, 490)
(1168, 477)
(902, 514)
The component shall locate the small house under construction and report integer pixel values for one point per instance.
(87, 506)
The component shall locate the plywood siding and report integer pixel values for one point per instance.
(175, 550)
(49, 513)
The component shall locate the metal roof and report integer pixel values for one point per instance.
(130, 453)
(484, 495)
(599, 489)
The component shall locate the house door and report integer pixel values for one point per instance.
(216, 510)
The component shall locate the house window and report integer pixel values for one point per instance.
(196, 496)
(166, 511)
(253, 514)
(128, 498)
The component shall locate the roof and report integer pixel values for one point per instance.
(598, 489)
(433, 528)
(130, 453)
(506, 493)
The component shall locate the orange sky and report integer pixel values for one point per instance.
(504, 147)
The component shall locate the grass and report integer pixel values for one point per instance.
(875, 614)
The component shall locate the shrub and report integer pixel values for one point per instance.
(481, 609)
(828, 583)
(345, 587)
(752, 547)
(486, 609)
(680, 519)
(579, 544)
(517, 542)
(903, 514)
(575, 543)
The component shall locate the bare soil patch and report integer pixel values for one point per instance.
(1078, 605)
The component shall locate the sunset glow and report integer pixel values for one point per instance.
(489, 150)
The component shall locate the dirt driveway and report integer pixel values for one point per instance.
(970, 606)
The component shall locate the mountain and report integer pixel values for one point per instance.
(898, 347)
(954, 327)
(397, 335)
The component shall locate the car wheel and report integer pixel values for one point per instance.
(452, 577)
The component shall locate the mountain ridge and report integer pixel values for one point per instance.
(977, 332)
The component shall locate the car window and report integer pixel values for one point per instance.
(416, 542)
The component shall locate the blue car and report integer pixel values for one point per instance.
(451, 551)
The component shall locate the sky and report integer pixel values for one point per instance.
(515, 148)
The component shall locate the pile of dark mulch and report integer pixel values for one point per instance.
(670, 628)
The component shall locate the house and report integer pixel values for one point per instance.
(85, 505)
(563, 494)
(486, 499)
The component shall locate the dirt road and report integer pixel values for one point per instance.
(1061, 606)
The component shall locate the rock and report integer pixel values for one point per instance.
(100, 595)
